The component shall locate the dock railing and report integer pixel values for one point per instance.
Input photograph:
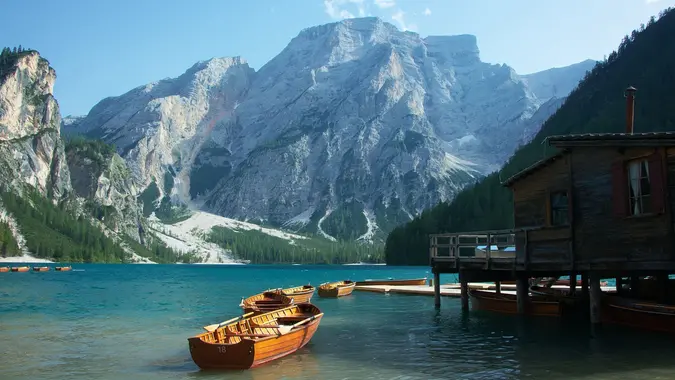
(480, 246)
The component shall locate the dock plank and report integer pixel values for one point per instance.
(447, 290)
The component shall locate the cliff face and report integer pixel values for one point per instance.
(101, 178)
(31, 150)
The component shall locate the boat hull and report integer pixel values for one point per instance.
(642, 315)
(63, 269)
(4, 269)
(20, 269)
(263, 345)
(40, 269)
(508, 304)
(415, 281)
(299, 294)
(336, 289)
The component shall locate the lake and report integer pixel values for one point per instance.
(133, 321)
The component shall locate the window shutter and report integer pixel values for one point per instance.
(657, 183)
(619, 189)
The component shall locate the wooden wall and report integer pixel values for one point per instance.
(600, 234)
(530, 194)
(530, 197)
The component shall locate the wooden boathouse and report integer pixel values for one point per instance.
(602, 207)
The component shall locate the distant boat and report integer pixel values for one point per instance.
(4, 269)
(336, 289)
(508, 303)
(63, 269)
(20, 269)
(247, 342)
(265, 302)
(390, 281)
(40, 269)
(644, 315)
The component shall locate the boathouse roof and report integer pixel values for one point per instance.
(594, 139)
(613, 139)
(532, 168)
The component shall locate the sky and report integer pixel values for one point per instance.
(102, 48)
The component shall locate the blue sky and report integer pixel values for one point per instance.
(103, 48)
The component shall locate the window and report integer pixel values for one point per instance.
(639, 188)
(559, 209)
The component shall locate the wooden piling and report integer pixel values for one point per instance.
(595, 297)
(464, 284)
(522, 293)
(437, 290)
(498, 287)
(584, 285)
(573, 283)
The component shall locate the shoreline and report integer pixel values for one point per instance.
(24, 259)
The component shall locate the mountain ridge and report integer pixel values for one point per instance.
(363, 122)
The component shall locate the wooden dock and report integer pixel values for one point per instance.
(448, 290)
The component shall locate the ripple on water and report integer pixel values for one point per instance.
(132, 322)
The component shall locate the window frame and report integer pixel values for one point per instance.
(643, 165)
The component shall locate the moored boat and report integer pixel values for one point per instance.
(414, 281)
(508, 303)
(645, 315)
(63, 269)
(336, 289)
(4, 269)
(20, 269)
(265, 302)
(40, 269)
(299, 294)
(250, 341)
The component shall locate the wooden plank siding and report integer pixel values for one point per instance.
(602, 236)
(549, 246)
(670, 165)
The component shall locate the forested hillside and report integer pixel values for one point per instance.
(644, 59)
(261, 248)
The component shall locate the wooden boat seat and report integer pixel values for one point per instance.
(268, 302)
(290, 320)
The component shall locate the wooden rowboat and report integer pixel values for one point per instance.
(638, 314)
(4, 269)
(20, 269)
(336, 289)
(507, 303)
(299, 294)
(40, 269)
(265, 302)
(63, 269)
(414, 281)
(250, 341)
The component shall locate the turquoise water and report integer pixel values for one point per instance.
(132, 322)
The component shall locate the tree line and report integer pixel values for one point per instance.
(261, 248)
(644, 59)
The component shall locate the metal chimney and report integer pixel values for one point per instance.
(630, 109)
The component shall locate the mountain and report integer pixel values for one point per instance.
(76, 200)
(644, 59)
(31, 150)
(352, 129)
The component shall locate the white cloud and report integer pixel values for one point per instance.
(427, 11)
(336, 8)
(400, 19)
(385, 3)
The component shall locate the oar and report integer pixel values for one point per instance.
(285, 329)
(216, 326)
